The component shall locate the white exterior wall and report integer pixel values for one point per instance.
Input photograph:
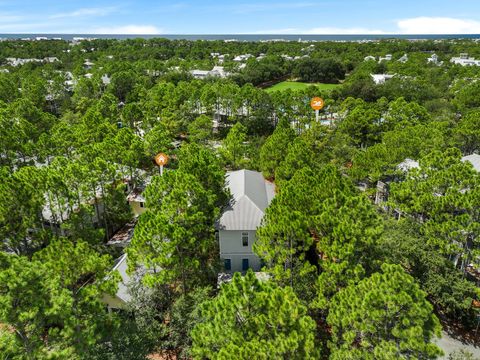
(231, 247)
(136, 208)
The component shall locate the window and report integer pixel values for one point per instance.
(245, 264)
(142, 204)
(245, 238)
(228, 264)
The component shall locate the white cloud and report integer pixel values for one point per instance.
(322, 31)
(85, 12)
(438, 25)
(251, 8)
(341, 31)
(128, 30)
(418, 25)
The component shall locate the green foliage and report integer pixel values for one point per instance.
(175, 236)
(384, 316)
(410, 142)
(254, 319)
(467, 133)
(467, 96)
(299, 225)
(443, 194)
(402, 113)
(319, 70)
(233, 150)
(21, 201)
(446, 286)
(53, 303)
(274, 150)
(185, 314)
(362, 124)
(200, 130)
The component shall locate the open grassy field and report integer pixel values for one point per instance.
(298, 86)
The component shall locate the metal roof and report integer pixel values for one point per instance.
(251, 195)
(474, 159)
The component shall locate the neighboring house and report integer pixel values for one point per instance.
(137, 201)
(200, 74)
(87, 65)
(403, 59)
(434, 60)
(18, 62)
(122, 297)
(379, 79)
(106, 80)
(251, 195)
(217, 71)
(474, 159)
(387, 57)
(243, 57)
(407, 165)
(464, 60)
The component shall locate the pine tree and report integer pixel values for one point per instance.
(385, 316)
(250, 319)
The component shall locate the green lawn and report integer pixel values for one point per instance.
(299, 86)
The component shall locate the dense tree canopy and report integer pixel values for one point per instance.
(254, 319)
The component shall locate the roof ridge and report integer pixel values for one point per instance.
(253, 202)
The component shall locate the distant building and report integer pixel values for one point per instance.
(407, 165)
(136, 200)
(474, 159)
(403, 59)
(465, 60)
(387, 57)
(379, 79)
(217, 71)
(122, 297)
(18, 62)
(87, 65)
(434, 60)
(50, 59)
(106, 80)
(243, 57)
(251, 195)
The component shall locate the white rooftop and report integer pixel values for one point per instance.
(408, 164)
(251, 195)
(474, 159)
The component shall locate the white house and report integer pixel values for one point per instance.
(217, 71)
(408, 164)
(434, 60)
(200, 74)
(403, 59)
(242, 57)
(474, 159)
(464, 60)
(87, 65)
(387, 57)
(379, 79)
(251, 195)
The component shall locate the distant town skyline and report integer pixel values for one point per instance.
(243, 17)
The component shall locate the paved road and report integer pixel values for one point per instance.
(449, 344)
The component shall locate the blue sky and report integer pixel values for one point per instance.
(241, 17)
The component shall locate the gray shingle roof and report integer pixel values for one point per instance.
(251, 195)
